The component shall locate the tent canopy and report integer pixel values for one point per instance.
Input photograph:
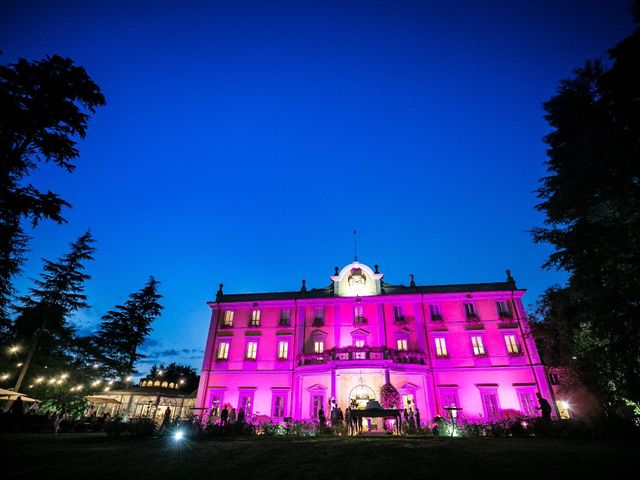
(11, 395)
(101, 399)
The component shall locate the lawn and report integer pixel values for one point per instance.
(90, 456)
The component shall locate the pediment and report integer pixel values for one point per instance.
(317, 388)
(359, 332)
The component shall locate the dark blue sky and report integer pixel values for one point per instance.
(243, 142)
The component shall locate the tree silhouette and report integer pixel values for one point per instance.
(124, 329)
(44, 107)
(44, 313)
(591, 201)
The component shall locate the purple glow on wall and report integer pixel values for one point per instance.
(311, 347)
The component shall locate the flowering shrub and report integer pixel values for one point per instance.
(389, 396)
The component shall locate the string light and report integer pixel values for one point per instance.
(39, 379)
(4, 376)
(19, 364)
(14, 349)
(129, 378)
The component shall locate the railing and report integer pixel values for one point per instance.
(359, 321)
(362, 353)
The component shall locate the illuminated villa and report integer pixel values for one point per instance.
(288, 354)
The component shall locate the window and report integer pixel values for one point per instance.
(223, 351)
(563, 409)
(434, 311)
(255, 318)
(402, 344)
(470, 310)
(318, 319)
(277, 409)
(252, 350)
(318, 346)
(441, 347)
(408, 401)
(490, 404)
(449, 399)
(478, 346)
(285, 317)
(358, 314)
(504, 309)
(216, 403)
(228, 319)
(398, 314)
(245, 403)
(554, 378)
(317, 403)
(527, 403)
(358, 342)
(512, 345)
(283, 350)
(360, 355)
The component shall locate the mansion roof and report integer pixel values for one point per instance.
(342, 285)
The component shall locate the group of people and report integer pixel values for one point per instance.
(229, 417)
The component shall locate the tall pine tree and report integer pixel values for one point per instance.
(43, 316)
(124, 329)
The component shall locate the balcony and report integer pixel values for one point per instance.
(472, 317)
(359, 321)
(345, 354)
(400, 320)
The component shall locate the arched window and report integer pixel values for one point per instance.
(156, 383)
(164, 384)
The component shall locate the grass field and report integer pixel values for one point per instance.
(90, 456)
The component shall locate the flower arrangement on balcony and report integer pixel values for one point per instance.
(436, 317)
(407, 356)
(389, 396)
(359, 320)
(517, 353)
(353, 348)
(472, 316)
(310, 358)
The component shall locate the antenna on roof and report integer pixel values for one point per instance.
(355, 246)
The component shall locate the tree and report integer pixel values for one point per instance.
(184, 375)
(43, 316)
(123, 330)
(591, 201)
(44, 108)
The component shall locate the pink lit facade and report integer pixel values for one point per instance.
(287, 354)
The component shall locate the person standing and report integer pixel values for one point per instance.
(233, 416)
(16, 410)
(545, 408)
(224, 416)
(167, 418)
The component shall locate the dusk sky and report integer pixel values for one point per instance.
(244, 141)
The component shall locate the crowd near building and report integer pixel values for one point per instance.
(292, 354)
